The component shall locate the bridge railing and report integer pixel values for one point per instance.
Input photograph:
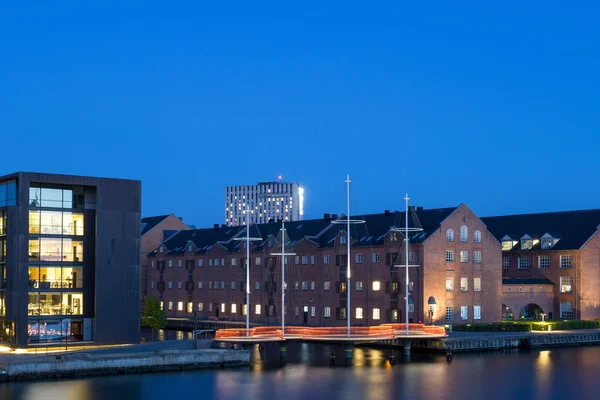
(385, 330)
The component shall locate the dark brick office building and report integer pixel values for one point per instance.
(69, 259)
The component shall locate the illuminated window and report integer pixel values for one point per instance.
(449, 284)
(476, 312)
(507, 245)
(180, 306)
(170, 305)
(464, 284)
(162, 305)
(326, 285)
(257, 309)
(313, 311)
(376, 286)
(223, 308)
(376, 313)
(327, 312)
(190, 306)
(464, 256)
(359, 313)
(200, 307)
(566, 284)
(477, 284)
(359, 286)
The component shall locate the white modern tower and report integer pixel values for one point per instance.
(279, 201)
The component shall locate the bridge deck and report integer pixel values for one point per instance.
(331, 334)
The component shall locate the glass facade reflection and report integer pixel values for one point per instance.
(8, 194)
(55, 330)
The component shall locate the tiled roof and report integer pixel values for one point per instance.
(573, 228)
(527, 281)
(320, 231)
(150, 222)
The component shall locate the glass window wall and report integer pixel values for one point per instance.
(55, 223)
(57, 196)
(2, 222)
(8, 194)
(55, 303)
(65, 277)
(55, 330)
(57, 250)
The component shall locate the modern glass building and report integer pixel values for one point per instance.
(69, 259)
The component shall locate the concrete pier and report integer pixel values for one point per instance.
(105, 364)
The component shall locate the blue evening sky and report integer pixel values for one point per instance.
(495, 104)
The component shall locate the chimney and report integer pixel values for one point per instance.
(326, 216)
(216, 226)
(419, 208)
(387, 212)
(223, 225)
(334, 216)
(180, 218)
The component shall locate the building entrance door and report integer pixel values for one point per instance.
(217, 310)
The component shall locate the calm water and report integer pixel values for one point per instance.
(550, 374)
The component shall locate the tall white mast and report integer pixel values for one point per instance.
(283, 254)
(406, 239)
(348, 313)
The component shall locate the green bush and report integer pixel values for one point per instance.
(565, 325)
(493, 327)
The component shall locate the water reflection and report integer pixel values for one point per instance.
(306, 375)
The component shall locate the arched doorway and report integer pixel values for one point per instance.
(531, 311)
(507, 314)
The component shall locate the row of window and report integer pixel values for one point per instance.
(220, 262)
(566, 286)
(222, 308)
(524, 262)
(376, 285)
(464, 235)
(464, 313)
(464, 256)
(464, 284)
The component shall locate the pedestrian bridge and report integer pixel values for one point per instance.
(358, 334)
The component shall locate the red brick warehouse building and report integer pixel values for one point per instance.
(457, 278)
(550, 264)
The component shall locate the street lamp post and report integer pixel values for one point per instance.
(283, 254)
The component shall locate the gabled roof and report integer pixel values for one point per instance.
(320, 231)
(573, 228)
(150, 222)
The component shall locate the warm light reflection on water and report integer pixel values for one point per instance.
(306, 375)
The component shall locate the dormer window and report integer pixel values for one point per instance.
(548, 241)
(342, 239)
(161, 249)
(394, 237)
(527, 242)
(271, 242)
(508, 243)
(190, 247)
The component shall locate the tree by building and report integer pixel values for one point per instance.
(153, 316)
